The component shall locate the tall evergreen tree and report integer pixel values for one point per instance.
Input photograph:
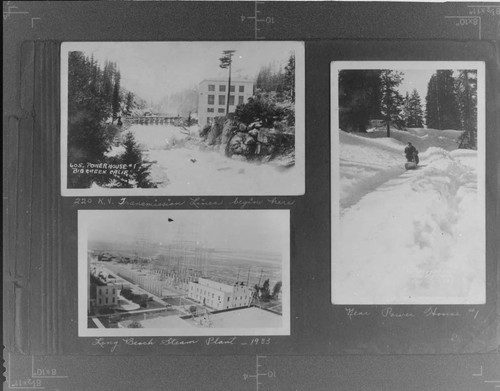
(392, 101)
(359, 98)
(290, 78)
(87, 139)
(466, 88)
(129, 103)
(138, 168)
(414, 116)
(115, 102)
(107, 88)
(441, 103)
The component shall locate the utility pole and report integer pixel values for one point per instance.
(225, 62)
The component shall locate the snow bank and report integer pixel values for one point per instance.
(365, 164)
(184, 167)
(416, 239)
(422, 138)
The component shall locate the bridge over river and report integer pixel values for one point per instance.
(155, 120)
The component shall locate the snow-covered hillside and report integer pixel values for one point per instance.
(408, 237)
(183, 167)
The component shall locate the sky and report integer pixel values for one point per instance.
(418, 79)
(263, 230)
(417, 74)
(153, 70)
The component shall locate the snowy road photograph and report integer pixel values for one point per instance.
(408, 183)
(182, 118)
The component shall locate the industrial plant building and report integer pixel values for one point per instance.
(220, 296)
(213, 95)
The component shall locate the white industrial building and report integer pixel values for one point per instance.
(220, 296)
(213, 94)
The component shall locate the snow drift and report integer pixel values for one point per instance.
(184, 166)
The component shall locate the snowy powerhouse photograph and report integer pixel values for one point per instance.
(183, 273)
(408, 183)
(182, 118)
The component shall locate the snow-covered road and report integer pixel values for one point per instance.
(407, 237)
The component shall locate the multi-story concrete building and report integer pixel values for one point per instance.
(106, 295)
(220, 296)
(213, 95)
(102, 294)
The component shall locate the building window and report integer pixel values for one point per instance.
(106, 290)
(113, 291)
(212, 295)
(100, 301)
(222, 99)
(222, 88)
(113, 300)
(228, 298)
(231, 100)
(211, 87)
(242, 89)
(231, 89)
(106, 300)
(211, 99)
(240, 100)
(210, 110)
(221, 111)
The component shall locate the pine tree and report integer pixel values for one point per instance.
(392, 101)
(129, 103)
(466, 87)
(290, 78)
(138, 169)
(277, 289)
(87, 138)
(414, 116)
(405, 112)
(115, 102)
(265, 291)
(441, 103)
(107, 88)
(359, 98)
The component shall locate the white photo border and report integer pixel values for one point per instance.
(300, 187)
(83, 281)
(335, 68)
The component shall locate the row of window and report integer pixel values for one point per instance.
(99, 292)
(106, 301)
(222, 100)
(211, 110)
(222, 88)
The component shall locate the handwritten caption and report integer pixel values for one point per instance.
(392, 313)
(113, 344)
(101, 168)
(195, 202)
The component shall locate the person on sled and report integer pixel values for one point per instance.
(411, 153)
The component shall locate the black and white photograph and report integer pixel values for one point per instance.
(408, 183)
(182, 118)
(183, 273)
